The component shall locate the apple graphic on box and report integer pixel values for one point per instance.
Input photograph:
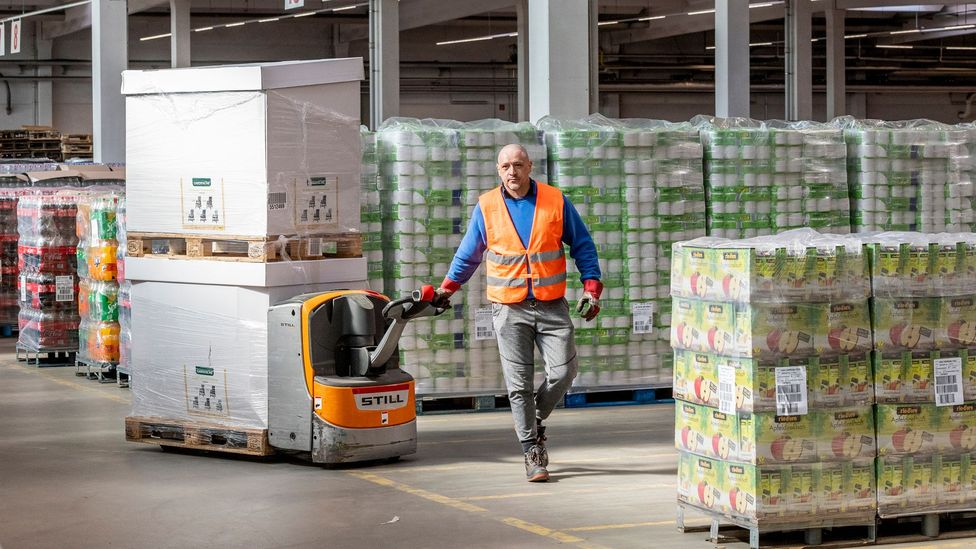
(962, 332)
(783, 341)
(843, 339)
(688, 438)
(907, 440)
(786, 448)
(846, 445)
(684, 335)
(716, 339)
(703, 390)
(890, 384)
(904, 335)
(705, 494)
(738, 501)
(740, 397)
(963, 437)
(720, 446)
(731, 287)
(699, 284)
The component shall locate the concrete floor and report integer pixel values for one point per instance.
(68, 479)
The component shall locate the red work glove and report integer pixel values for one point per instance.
(442, 297)
(588, 306)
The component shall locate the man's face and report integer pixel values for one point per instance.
(514, 168)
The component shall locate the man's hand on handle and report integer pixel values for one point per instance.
(588, 306)
(442, 297)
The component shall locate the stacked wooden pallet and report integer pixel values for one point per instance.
(31, 142)
(76, 145)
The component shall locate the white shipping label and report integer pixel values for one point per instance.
(726, 388)
(791, 391)
(206, 391)
(318, 201)
(314, 247)
(483, 327)
(64, 288)
(948, 381)
(643, 314)
(203, 202)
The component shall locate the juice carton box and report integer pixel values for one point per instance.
(906, 324)
(902, 268)
(957, 429)
(717, 433)
(700, 483)
(781, 329)
(951, 487)
(696, 377)
(766, 438)
(689, 428)
(892, 487)
(907, 429)
(743, 491)
(958, 326)
(848, 329)
(968, 373)
(687, 324)
(846, 434)
(847, 489)
(904, 376)
(923, 484)
(803, 488)
(906, 485)
(857, 378)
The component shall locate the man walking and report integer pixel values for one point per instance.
(519, 230)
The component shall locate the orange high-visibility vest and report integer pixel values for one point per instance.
(510, 266)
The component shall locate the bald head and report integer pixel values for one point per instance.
(514, 167)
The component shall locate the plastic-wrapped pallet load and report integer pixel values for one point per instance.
(766, 177)
(772, 348)
(925, 370)
(432, 173)
(98, 287)
(913, 175)
(48, 281)
(638, 186)
(125, 305)
(371, 214)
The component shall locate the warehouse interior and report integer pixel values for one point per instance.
(662, 120)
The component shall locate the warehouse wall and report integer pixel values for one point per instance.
(430, 74)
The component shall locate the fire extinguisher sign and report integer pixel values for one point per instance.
(15, 36)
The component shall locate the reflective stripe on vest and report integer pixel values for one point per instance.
(510, 266)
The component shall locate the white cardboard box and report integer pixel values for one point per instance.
(231, 273)
(188, 338)
(252, 150)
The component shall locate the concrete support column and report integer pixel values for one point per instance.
(799, 61)
(731, 58)
(43, 90)
(594, 38)
(558, 39)
(836, 64)
(110, 55)
(179, 25)
(384, 61)
(522, 45)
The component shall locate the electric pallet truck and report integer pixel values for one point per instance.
(335, 387)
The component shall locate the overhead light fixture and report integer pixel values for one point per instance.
(602, 23)
(201, 29)
(273, 19)
(961, 48)
(853, 36)
(709, 47)
(655, 18)
(238, 24)
(894, 46)
(950, 28)
(908, 31)
(755, 44)
(763, 5)
(702, 12)
(343, 8)
(478, 38)
(304, 14)
(155, 36)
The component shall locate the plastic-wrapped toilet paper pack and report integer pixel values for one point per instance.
(767, 177)
(638, 185)
(371, 212)
(914, 175)
(431, 173)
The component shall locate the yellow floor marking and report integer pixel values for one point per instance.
(85, 387)
(470, 508)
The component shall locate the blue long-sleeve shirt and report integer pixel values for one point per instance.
(470, 253)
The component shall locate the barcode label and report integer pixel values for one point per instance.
(483, 328)
(314, 246)
(948, 381)
(791, 391)
(64, 288)
(726, 388)
(276, 201)
(643, 314)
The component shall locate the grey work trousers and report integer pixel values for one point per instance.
(519, 329)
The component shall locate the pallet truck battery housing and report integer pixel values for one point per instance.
(335, 387)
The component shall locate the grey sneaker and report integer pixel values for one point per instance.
(536, 460)
(540, 443)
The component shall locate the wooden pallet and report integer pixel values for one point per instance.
(76, 139)
(452, 404)
(198, 436)
(76, 149)
(254, 249)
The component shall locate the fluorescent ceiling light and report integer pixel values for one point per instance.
(754, 44)
(763, 5)
(601, 23)
(709, 47)
(154, 37)
(908, 31)
(478, 38)
(950, 28)
(201, 29)
(239, 24)
(269, 20)
(961, 48)
(655, 18)
(894, 46)
(852, 36)
(305, 14)
(702, 12)
(354, 6)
